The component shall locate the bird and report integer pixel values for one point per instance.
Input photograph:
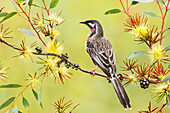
(102, 55)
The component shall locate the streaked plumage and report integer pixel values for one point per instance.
(101, 53)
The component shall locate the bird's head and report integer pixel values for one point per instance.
(95, 27)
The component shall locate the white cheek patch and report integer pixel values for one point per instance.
(92, 25)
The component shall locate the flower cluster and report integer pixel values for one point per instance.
(61, 107)
(144, 33)
(25, 52)
(2, 72)
(4, 33)
(58, 71)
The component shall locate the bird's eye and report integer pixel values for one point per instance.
(92, 24)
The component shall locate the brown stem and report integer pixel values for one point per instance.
(163, 18)
(9, 45)
(29, 20)
(160, 110)
(52, 54)
(45, 7)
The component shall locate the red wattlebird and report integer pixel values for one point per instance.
(101, 53)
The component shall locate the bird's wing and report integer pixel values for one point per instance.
(103, 56)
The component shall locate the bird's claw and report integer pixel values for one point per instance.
(93, 71)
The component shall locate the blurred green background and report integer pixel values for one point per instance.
(94, 94)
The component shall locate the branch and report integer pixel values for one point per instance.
(163, 18)
(29, 20)
(56, 55)
(160, 110)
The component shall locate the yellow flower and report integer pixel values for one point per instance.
(61, 73)
(53, 17)
(25, 52)
(38, 22)
(157, 53)
(162, 90)
(54, 46)
(57, 19)
(129, 79)
(54, 33)
(140, 31)
(161, 77)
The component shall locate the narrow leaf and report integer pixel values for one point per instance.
(39, 95)
(168, 48)
(112, 11)
(36, 97)
(7, 111)
(35, 94)
(3, 14)
(160, 1)
(20, 1)
(151, 14)
(30, 2)
(15, 109)
(11, 86)
(144, 1)
(135, 54)
(168, 66)
(25, 102)
(26, 3)
(168, 101)
(54, 3)
(6, 103)
(27, 32)
(166, 78)
(134, 2)
(14, 5)
(8, 16)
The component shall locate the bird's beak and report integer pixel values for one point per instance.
(86, 23)
(83, 22)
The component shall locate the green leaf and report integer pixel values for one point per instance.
(134, 2)
(36, 97)
(15, 109)
(6, 103)
(27, 32)
(30, 2)
(168, 48)
(144, 1)
(160, 1)
(54, 3)
(35, 94)
(168, 66)
(14, 5)
(112, 11)
(20, 1)
(135, 54)
(11, 86)
(151, 14)
(39, 95)
(3, 14)
(25, 102)
(166, 78)
(8, 16)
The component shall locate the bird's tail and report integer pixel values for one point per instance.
(121, 93)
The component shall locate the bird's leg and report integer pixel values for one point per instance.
(93, 70)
